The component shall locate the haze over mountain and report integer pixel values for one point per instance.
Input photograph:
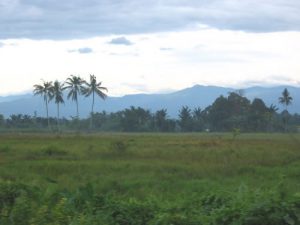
(196, 96)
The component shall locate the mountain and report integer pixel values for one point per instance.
(196, 96)
(13, 97)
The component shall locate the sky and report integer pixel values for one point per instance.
(153, 46)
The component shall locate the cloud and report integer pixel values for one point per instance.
(69, 19)
(271, 80)
(166, 49)
(139, 87)
(1, 44)
(82, 50)
(120, 41)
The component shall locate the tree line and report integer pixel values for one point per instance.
(234, 112)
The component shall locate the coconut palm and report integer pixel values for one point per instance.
(285, 99)
(74, 85)
(93, 88)
(56, 93)
(44, 90)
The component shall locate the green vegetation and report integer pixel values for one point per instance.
(155, 179)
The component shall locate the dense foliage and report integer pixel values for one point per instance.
(28, 205)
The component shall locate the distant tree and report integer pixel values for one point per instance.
(20, 121)
(225, 114)
(238, 104)
(198, 122)
(285, 99)
(92, 88)
(270, 116)
(74, 84)
(44, 90)
(100, 118)
(273, 108)
(258, 115)
(218, 114)
(185, 119)
(239, 107)
(2, 120)
(56, 93)
(160, 120)
(136, 119)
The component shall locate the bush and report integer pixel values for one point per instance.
(5, 148)
(131, 212)
(53, 151)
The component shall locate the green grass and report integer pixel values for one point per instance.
(169, 169)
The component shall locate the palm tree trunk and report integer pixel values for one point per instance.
(77, 109)
(58, 116)
(47, 113)
(93, 103)
(77, 116)
(92, 115)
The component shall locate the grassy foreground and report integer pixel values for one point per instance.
(159, 179)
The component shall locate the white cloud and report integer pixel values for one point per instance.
(203, 56)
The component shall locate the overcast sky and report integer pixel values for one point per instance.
(136, 46)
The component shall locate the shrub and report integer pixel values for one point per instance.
(53, 151)
(5, 148)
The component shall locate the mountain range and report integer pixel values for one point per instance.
(196, 96)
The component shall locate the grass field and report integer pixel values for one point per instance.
(150, 179)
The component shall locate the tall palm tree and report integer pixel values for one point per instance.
(93, 88)
(44, 90)
(56, 93)
(285, 99)
(74, 85)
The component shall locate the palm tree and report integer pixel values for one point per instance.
(271, 111)
(93, 88)
(74, 85)
(56, 93)
(285, 99)
(44, 90)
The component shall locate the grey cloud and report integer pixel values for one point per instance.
(82, 50)
(56, 19)
(120, 41)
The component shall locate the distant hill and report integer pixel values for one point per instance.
(196, 96)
